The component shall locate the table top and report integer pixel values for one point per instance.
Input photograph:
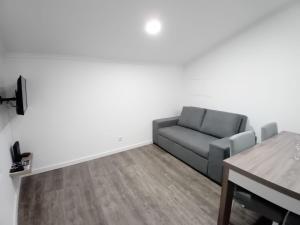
(271, 163)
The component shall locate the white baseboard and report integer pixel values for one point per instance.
(87, 158)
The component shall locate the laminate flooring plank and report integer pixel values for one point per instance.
(143, 186)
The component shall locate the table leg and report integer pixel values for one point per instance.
(226, 198)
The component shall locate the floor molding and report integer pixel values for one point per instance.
(87, 158)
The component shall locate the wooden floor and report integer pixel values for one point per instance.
(136, 187)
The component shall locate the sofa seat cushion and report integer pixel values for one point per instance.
(188, 138)
(221, 124)
(191, 117)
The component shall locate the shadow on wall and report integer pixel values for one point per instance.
(248, 126)
(217, 45)
(4, 116)
(5, 120)
(6, 110)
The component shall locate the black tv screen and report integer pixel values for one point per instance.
(21, 96)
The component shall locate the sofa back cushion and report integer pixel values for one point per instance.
(191, 117)
(221, 124)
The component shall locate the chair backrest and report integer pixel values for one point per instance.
(212, 122)
(268, 131)
(241, 142)
(222, 124)
(191, 117)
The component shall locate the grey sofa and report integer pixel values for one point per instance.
(199, 137)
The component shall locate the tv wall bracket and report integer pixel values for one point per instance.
(7, 99)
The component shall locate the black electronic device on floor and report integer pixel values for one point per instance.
(16, 155)
(17, 163)
(16, 168)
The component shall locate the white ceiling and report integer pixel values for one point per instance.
(113, 29)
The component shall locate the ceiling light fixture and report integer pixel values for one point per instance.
(153, 27)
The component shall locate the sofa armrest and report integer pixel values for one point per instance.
(166, 122)
(218, 151)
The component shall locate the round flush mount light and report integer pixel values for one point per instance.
(153, 27)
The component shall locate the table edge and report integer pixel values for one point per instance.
(263, 181)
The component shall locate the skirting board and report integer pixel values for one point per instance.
(87, 158)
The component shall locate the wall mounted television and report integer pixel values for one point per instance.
(20, 97)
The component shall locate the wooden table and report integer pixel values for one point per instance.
(268, 170)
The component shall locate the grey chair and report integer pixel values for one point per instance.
(269, 130)
(239, 143)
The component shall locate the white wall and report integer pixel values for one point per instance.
(8, 187)
(257, 73)
(79, 108)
